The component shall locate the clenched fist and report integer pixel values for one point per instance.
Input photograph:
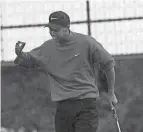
(19, 47)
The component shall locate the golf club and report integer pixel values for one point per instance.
(116, 117)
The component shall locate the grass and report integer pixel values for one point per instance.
(26, 98)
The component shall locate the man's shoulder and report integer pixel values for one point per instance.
(84, 37)
(81, 35)
(48, 42)
(43, 46)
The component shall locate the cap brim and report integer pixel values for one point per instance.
(53, 26)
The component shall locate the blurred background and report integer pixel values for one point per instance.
(116, 24)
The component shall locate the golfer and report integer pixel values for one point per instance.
(69, 60)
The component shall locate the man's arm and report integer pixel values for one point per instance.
(28, 59)
(110, 75)
(25, 60)
(106, 63)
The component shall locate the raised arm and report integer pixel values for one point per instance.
(27, 59)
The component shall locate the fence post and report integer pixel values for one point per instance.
(1, 34)
(88, 18)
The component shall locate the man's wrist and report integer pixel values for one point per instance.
(111, 91)
(22, 55)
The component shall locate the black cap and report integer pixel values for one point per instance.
(58, 19)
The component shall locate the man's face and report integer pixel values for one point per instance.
(58, 34)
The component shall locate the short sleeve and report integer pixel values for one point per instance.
(100, 56)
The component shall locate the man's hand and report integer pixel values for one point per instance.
(112, 98)
(19, 47)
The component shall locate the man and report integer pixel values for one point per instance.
(69, 61)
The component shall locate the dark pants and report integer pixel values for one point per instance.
(77, 116)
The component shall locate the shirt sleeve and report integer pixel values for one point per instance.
(100, 56)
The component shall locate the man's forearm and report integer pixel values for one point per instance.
(29, 59)
(110, 74)
(25, 60)
(25, 55)
(22, 57)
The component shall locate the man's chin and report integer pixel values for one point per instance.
(59, 40)
(54, 38)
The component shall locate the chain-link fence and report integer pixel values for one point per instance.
(118, 25)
